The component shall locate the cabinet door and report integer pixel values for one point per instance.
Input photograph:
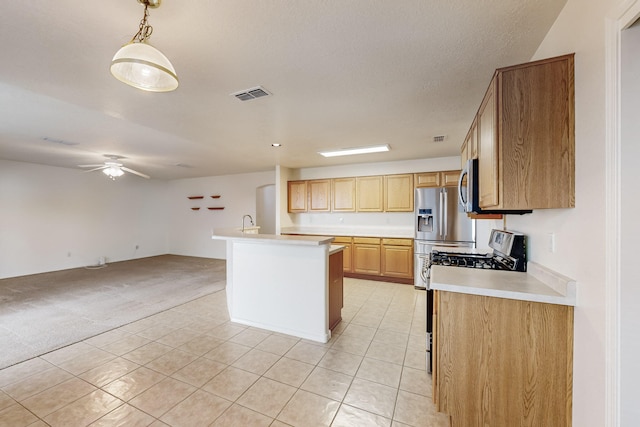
(344, 194)
(488, 159)
(346, 253)
(427, 179)
(450, 178)
(397, 258)
(319, 195)
(297, 196)
(504, 362)
(398, 193)
(464, 152)
(366, 255)
(369, 192)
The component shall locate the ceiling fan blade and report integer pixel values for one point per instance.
(90, 166)
(96, 169)
(135, 172)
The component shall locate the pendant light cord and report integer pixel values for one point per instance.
(145, 30)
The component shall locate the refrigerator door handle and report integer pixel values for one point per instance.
(443, 214)
(445, 229)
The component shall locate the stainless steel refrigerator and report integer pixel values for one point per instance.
(439, 221)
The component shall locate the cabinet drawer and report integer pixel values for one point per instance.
(366, 240)
(398, 242)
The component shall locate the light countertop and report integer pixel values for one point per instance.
(335, 249)
(389, 232)
(539, 284)
(235, 234)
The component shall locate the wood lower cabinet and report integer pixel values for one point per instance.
(366, 255)
(336, 294)
(397, 258)
(502, 362)
(347, 242)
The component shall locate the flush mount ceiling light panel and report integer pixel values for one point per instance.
(358, 150)
(141, 65)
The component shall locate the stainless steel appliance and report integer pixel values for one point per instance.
(509, 253)
(439, 221)
(469, 192)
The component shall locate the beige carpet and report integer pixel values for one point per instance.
(43, 312)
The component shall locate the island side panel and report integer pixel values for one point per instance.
(281, 287)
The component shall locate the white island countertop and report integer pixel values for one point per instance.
(539, 284)
(234, 234)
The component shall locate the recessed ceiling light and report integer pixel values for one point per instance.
(275, 144)
(352, 151)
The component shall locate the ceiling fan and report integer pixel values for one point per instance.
(113, 168)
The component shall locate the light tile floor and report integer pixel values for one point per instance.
(190, 366)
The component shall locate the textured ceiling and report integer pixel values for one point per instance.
(342, 74)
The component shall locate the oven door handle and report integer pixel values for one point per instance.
(424, 270)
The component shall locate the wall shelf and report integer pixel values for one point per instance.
(217, 208)
(216, 196)
(195, 197)
(195, 209)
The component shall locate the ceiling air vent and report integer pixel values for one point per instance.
(253, 93)
(439, 138)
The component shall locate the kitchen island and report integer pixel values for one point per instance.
(282, 283)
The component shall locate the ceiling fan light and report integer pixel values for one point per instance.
(142, 66)
(113, 172)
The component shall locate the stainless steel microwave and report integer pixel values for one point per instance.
(469, 191)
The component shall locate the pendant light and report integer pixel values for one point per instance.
(141, 65)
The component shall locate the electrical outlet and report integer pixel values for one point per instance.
(137, 247)
(551, 242)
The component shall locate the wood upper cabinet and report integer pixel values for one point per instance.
(344, 194)
(526, 141)
(437, 179)
(297, 196)
(502, 362)
(369, 194)
(488, 155)
(366, 255)
(469, 148)
(398, 193)
(397, 258)
(319, 195)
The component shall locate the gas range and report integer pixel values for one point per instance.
(509, 253)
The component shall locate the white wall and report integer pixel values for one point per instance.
(56, 218)
(630, 206)
(580, 232)
(190, 231)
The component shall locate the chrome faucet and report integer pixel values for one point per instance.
(250, 220)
